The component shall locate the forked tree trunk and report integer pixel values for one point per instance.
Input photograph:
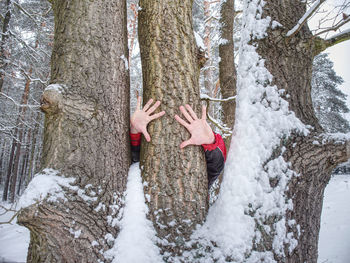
(86, 133)
(177, 184)
(227, 68)
(289, 60)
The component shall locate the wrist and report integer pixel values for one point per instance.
(133, 130)
(211, 138)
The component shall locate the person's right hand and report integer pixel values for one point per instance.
(141, 117)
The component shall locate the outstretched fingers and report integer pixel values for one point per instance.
(154, 107)
(146, 134)
(190, 110)
(186, 143)
(157, 115)
(138, 105)
(185, 113)
(204, 112)
(148, 104)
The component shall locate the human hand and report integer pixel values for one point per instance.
(199, 129)
(141, 117)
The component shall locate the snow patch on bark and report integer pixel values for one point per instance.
(137, 231)
(45, 183)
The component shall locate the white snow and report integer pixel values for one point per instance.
(199, 41)
(304, 18)
(126, 62)
(262, 119)
(334, 242)
(43, 184)
(136, 240)
(57, 87)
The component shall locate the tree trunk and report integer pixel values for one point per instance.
(25, 159)
(227, 68)
(177, 184)
(86, 133)
(290, 63)
(19, 134)
(34, 143)
(5, 35)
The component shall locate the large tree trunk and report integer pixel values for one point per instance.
(290, 63)
(177, 184)
(227, 68)
(86, 133)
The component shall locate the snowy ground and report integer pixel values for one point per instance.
(334, 245)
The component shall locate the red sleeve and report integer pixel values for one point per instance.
(219, 143)
(135, 139)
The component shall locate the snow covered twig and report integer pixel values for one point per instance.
(304, 18)
(17, 104)
(206, 97)
(224, 129)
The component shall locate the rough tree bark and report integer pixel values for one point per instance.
(176, 179)
(289, 60)
(227, 68)
(5, 35)
(86, 132)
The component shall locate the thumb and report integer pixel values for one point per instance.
(185, 143)
(147, 137)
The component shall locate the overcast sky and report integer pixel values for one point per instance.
(340, 53)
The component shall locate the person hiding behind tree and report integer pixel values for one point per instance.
(201, 134)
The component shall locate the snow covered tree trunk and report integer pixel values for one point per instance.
(177, 186)
(86, 136)
(312, 158)
(227, 69)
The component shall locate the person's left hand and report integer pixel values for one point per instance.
(199, 129)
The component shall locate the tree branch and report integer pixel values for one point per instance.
(322, 44)
(335, 27)
(13, 216)
(304, 19)
(207, 98)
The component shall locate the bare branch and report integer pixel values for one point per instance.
(322, 44)
(224, 129)
(304, 19)
(206, 97)
(335, 27)
(13, 216)
(17, 104)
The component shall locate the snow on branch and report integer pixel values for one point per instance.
(17, 104)
(304, 18)
(224, 129)
(206, 97)
(322, 44)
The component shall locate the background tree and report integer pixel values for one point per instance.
(329, 102)
(24, 73)
(227, 68)
(86, 134)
